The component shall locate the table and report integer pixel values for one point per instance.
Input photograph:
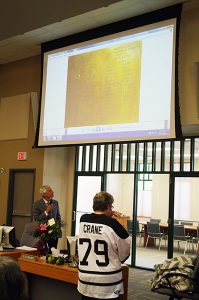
(57, 277)
(164, 228)
(16, 253)
(123, 221)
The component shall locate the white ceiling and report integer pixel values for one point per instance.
(21, 37)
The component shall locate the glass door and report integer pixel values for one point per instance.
(152, 214)
(121, 186)
(186, 217)
(152, 205)
(87, 187)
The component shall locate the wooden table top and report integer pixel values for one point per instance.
(16, 253)
(62, 272)
(40, 267)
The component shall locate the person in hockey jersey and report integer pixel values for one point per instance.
(102, 246)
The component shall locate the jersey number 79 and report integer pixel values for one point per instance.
(100, 248)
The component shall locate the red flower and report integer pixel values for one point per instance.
(42, 228)
(46, 232)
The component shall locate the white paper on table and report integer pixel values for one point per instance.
(25, 248)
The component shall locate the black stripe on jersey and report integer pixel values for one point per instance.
(100, 284)
(103, 219)
(125, 259)
(100, 273)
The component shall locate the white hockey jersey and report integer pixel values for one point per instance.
(103, 245)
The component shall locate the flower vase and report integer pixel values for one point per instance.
(42, 248)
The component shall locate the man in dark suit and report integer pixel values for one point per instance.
(47, 208)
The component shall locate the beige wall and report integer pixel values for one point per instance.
(19, 78)
(160, 197)
(59, 173)
(57, 167)
(54, 166)
(188, 57)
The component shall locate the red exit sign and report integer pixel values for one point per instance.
(22, 156)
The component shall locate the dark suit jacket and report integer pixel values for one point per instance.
(38, 211)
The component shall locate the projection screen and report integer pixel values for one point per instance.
(116, 88)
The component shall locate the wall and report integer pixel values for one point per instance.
(53, 165)
(121, 187)
(19, 78)
(160, 197)
(188, 57)
(186, 199)
(58, 172)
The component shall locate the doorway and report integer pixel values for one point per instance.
(152, 202)
(152, 207)
(186, 207)
(20, 199)
(87, 187)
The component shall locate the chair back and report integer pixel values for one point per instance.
(138, 226)
(27, 238)
(176, 221)
(170, 288)
(186, 223)
(153, 228)
(178, 231)
(130, 224)
(155, 220)
(196, 273)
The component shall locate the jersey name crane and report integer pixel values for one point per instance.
(103, 245)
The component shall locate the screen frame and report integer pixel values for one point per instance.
(124, 25)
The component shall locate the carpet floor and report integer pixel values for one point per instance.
(139, 286)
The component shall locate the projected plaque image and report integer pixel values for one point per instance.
(113, 88)
(103, 86)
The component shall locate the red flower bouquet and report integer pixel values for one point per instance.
(46, 232)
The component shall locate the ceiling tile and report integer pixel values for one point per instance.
(19, 46)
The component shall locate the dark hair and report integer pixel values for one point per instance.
(102, 201)
(13, 282)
